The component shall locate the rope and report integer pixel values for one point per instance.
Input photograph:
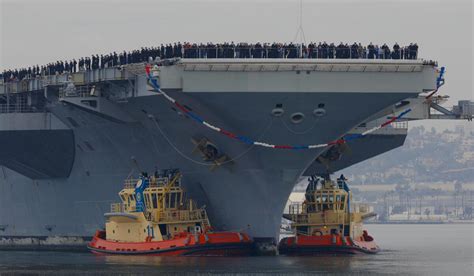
(205, 163)
(247, 140)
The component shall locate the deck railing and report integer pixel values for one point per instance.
(182, 215)
(291, 52)
(82, 91)
(360, 207)
(130, 183)
(295, 211)
(19, 108)
(39, 82)
(117, 208)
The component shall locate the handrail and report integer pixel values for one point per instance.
(400, 125)
(117, 208)
(20, 108)
(76, 91)
(293, 52)
(393, 125)
(130, 183)
(180, 215)
(360, 207)
(41, 80)
(242, 50)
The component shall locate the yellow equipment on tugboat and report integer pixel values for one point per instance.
(154, 218)
(327, 222)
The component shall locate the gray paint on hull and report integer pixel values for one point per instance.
(360, 150)
(249, 195)
(38, 154)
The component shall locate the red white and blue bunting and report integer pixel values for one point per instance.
(154, 83)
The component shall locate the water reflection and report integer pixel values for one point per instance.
(406, 249)
(279, 264)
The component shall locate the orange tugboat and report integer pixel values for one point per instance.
(154, 218)
(327, 223)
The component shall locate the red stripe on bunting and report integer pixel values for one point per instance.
(225, 132)
(337, 142)
(389, 122)
(283, 147)
(181, 107)
(249, 141)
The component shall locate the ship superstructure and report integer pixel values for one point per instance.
(69, 134)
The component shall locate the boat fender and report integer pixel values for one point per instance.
(240, 237)
(333, 240)
(206, 238)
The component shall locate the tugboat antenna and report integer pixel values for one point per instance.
(135, 162)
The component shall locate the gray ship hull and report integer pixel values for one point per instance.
(247, 195)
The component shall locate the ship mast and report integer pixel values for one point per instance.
(300, 37)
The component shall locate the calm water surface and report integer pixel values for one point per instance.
(406, 249)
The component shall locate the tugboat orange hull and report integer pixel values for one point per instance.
(313, 245)
(210, 244)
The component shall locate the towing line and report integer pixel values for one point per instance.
(244, 139)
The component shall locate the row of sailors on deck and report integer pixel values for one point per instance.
(224, 50)
(312, 50)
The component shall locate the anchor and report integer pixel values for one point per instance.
(210, 152)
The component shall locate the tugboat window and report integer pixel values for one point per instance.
(167, 200)
(147, 201)
(154, 200)
(173, 199)
(331, 201)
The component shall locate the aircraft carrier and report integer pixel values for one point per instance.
(68, 141)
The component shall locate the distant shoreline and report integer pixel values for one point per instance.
(421, 222)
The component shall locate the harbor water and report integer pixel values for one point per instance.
(444, 249)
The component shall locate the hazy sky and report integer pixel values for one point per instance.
(38, 32)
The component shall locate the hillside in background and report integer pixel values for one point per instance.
(427, 156)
